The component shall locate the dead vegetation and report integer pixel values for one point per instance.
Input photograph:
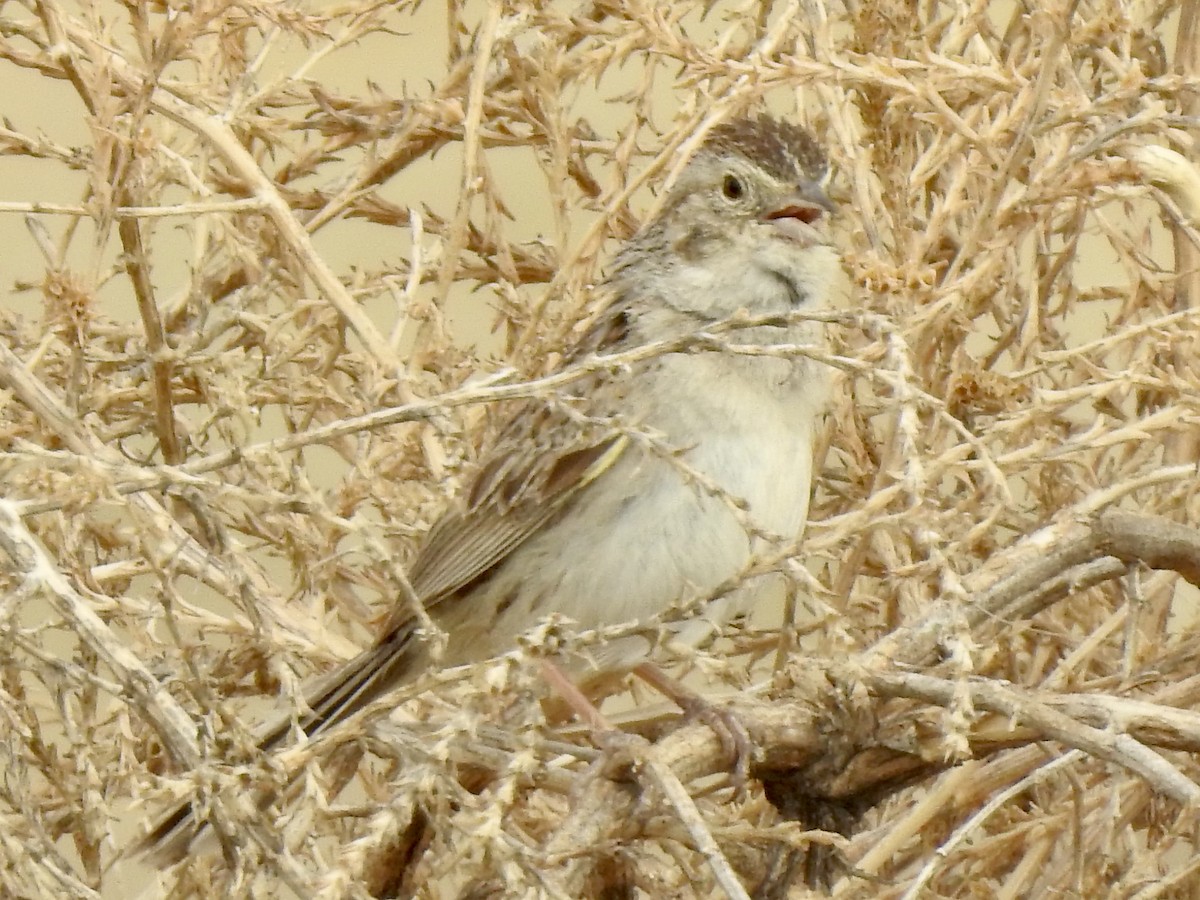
(239, 382)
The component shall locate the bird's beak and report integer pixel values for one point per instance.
(798, 213)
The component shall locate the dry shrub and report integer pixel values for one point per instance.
(240, 381)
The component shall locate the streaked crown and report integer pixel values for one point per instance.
(784, 151)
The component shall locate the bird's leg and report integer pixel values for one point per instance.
(620, 748)
(573, 697)
(735, 740)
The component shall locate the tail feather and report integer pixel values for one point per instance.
(337, 697)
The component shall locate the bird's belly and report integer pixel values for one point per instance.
(650, 533)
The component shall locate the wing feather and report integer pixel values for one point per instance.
(539, 462)
(463, 546)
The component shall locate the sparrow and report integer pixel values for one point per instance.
(644, 485)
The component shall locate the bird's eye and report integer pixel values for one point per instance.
(732, 187)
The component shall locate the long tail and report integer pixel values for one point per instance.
(337, 697)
